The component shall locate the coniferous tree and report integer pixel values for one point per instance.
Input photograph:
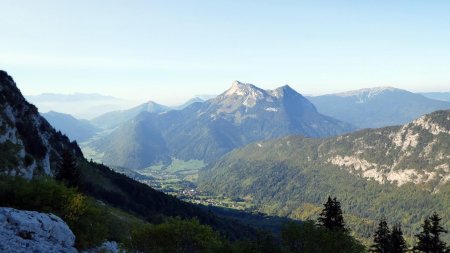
(331, 216)
(429, 238)
(398, 243)
(68, 172)
(325, 218)
(425, 242)
(382, 238)
(435, 231)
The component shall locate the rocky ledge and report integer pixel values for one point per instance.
(29, 231)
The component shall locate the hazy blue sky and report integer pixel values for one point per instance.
(170, 50)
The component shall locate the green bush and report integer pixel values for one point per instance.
(8, 155)
(175, 236)
(87, 220)
(307, 237)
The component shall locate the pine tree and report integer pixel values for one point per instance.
(435, 231)
(69, 172)
(429, 238)
(425, 241)
(382, 238)
(331, 216)
(398, 243)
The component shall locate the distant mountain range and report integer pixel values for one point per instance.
(205, 131)
(377, 107)
(401, 173)
(443, 96)
(116, 118)
(80, 105)
(75, 129)
(75, 97)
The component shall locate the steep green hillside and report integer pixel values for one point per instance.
(401, 173)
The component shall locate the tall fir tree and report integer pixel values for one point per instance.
(435, 231)
(398, 243)
(425, 242)
(69, 171)
(382, 238)
(331, 216)
(429, 240)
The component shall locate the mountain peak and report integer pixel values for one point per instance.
(281, 91)
(152, 106)
(242, 89)
(151, 102)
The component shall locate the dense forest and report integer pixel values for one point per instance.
(291, 176)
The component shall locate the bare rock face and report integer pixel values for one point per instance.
(29, 231)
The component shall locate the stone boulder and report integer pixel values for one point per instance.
(29, 231)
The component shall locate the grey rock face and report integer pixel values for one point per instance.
(29, 231)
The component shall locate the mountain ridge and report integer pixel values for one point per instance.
(76, 129)
(376, 107)
(113, 119)
(204, 131)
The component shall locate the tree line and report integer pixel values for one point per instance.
(428, 240)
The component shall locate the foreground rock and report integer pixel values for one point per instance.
(28, 231)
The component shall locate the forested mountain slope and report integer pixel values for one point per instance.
(401, 173)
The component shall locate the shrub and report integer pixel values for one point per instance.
(307, 237)
(87, 220)
(175, 235)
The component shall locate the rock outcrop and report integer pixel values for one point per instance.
(29, 145)
(29, 231)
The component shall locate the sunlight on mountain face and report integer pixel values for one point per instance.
(112, 149)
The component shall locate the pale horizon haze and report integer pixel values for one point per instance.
(169, 51)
